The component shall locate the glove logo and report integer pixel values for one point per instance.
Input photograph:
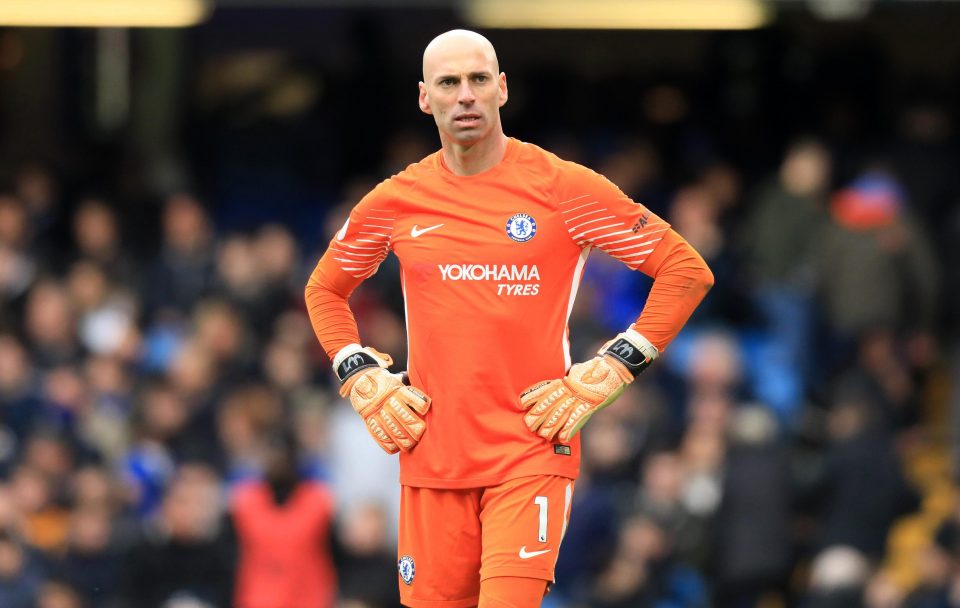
(521, 227)
(352, 362)
(407, 569)
(631, 355)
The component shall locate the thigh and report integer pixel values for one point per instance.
(512, 592)
(439, 547)
(523, 522)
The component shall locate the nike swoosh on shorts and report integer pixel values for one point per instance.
(524, 554)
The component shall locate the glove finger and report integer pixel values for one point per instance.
(557, 416)
(537, 411)
(381, 436)
(415, 399)
(580, 414)
(394, 428)
(544, 416)
(536, 392)
(412, 424)
(577, 417)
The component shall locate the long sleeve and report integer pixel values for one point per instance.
(326, 295)
(681, 280)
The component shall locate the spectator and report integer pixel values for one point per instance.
(864, 488)
(873, 258)
(21, 573)
(643, 572)
(45, 522)
(838, 577)
(59, 594)
(50, 324)
(936, 573)
(19, 391)
(149, 463)
(779, 243)
(96, 235)
(752, 534)
(367, 561)
(184, 269)
(18, 264)
(185, 553)
(283, 528)
(91, 564)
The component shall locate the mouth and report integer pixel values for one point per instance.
(467, 119)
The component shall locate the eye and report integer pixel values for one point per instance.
(481, 78)
(448, 82)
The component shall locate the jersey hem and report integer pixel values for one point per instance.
(440, 483)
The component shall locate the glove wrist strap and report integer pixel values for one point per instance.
(632, 350)
(352, 359)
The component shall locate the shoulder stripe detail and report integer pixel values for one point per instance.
(576, 217)
(357, 255)
(634, 246)
(565, 211)
(630, 238)
(576, 198)
(633, 255)
(369, 241)
(637, 237)
(361, 268)
(573, 229)
(579, 237)
(342, 244)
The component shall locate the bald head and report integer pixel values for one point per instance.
(457, 43)
(464, 89)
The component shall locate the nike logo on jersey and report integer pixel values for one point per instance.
(415, 232)
(524, 554)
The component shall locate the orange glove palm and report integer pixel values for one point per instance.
(393, 411)
(557, 409)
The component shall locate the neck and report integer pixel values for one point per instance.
(477, 157)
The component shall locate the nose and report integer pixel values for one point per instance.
(465, 95)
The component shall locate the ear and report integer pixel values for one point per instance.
(502, 84)
(424, 104)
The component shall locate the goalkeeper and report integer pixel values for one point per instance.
(492, 235)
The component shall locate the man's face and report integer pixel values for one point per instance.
(463, 91)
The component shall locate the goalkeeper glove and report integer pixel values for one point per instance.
(392, 410)
(557, 409)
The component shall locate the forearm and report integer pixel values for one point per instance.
(326, 296)
(681, 280)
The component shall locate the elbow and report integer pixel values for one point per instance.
(707, 279)
(310, 291)
(704, 280)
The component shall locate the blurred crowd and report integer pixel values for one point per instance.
(170, 435)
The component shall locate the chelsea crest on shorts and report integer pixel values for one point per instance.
(406, 568)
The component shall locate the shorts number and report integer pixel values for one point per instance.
(541, 501)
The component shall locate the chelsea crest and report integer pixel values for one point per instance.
(521, 227)
(406, 568)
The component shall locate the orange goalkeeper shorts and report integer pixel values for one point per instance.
(450, 540)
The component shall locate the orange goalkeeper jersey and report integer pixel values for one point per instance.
(490, 266)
